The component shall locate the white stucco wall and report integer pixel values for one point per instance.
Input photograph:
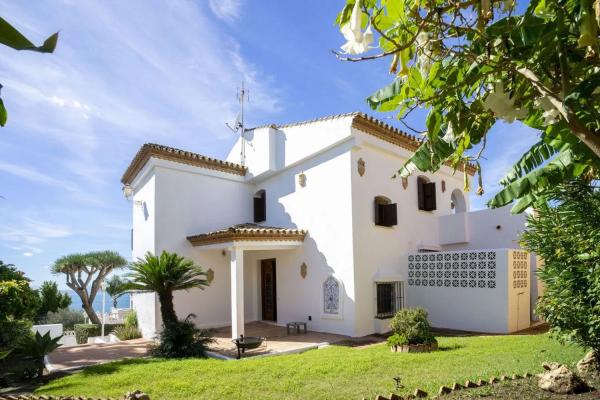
(190, 201)
(289, 144)
(335, 206)
(55, 329)
(323, 207)
(143, 241)
(379, 251)
(490, 228)
(479, 309)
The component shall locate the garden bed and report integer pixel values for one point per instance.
(415, 348)
(519, 389)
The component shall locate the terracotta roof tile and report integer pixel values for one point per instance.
(149, 150)
(247, 232)
(360, 121)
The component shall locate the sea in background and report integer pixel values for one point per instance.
(122, 302)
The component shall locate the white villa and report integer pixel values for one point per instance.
(312, 228)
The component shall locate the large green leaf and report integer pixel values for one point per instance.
(563, 167)
(533, 158)
(3, 113)
(11, 37)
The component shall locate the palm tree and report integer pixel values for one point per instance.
(114, 287)
(164, 275)
(85, 273)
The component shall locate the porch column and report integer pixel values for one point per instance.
(237, 292)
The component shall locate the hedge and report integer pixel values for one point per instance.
(84, 331)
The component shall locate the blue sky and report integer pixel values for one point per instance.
(129, 72)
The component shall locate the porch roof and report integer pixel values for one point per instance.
(248, 232)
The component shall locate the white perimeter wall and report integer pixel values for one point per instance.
(482, 231)
(379, 251)
(464, 308)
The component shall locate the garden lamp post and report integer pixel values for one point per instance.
(103, 286)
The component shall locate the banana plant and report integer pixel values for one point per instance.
(11, 37)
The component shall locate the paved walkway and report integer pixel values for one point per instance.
(90, 354)
(277, 340)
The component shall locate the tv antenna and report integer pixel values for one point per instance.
(243, 95)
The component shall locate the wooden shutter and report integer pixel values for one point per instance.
(391, 215)
(379, 213)
(260, 208)
(429, 196)
(421, 194)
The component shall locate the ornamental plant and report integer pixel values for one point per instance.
(471, 63)
(566, 235)
(410, 326)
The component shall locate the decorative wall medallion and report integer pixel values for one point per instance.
(404, 182)
(303, 270)
(331, 296)
(443, 186)
(210, 275)
(361, 166)
(302, 180)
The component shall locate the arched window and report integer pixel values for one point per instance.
(457, 202)
(426, 194)
(386, 213)
(260, 206)
(331, 296)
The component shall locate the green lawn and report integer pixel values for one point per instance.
(331, 373)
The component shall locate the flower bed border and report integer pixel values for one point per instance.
(415, 348)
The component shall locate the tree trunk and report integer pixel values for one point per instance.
(167, 310)
(90, 312)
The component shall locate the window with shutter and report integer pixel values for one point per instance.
(385, 213)
(429, 196)
(260, 206)
(426, 194)
(391, 215)
(420, 193)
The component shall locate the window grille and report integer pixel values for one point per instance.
(390, 298)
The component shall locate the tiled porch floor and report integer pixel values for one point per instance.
(277, 339)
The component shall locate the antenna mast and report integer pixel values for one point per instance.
(242, 96)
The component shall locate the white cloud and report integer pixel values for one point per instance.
(28, 235)
(34, 175)
(28, 254)
(228, 10)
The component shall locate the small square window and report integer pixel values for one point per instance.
(390, 298)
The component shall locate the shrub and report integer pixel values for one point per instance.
(131, 319)
(127, 332)
(182, 339)
(84, 331)
(11, 331)
(67, 317)
(411, 326)
(565, 233)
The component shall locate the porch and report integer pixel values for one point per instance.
(277, 340)
(252, 281)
